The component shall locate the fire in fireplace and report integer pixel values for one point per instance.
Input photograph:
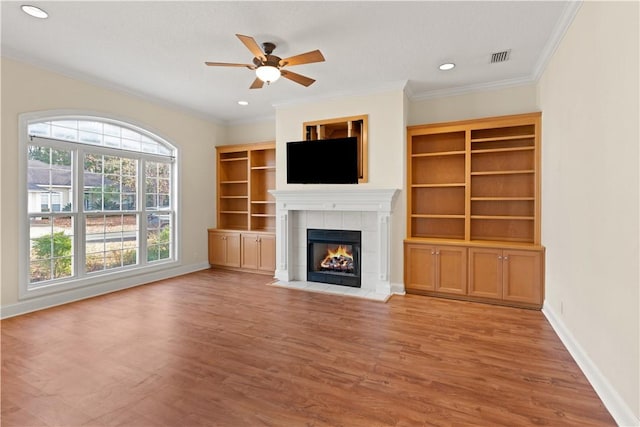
(333, 256)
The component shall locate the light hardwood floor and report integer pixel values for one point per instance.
(217, 348)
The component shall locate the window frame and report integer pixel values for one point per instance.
(120, 275)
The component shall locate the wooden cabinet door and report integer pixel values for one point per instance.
(267, 253)
(224, 249)
(233, 249)
(522, 276)
(485, 272)
(249, 252)
(420, 267)
(217, 248)
(451, 275)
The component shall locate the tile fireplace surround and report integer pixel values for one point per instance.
(366, 210)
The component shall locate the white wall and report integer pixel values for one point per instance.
(387, 148)
(250, 132)
(589, 96)
(26, 88)
(487, 103)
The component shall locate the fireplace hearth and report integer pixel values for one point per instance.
(333, 256)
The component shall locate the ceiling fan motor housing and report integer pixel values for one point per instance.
(272, 60)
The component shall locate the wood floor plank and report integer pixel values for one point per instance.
(222, 348)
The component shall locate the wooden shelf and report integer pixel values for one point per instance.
(502, 199)
(234, 197)
(504, 172)
(258, 215)
(234, 159)
(440, 154)
(265, 168)
(265, 202)
(445, 185)
(504, 138)
(503, 217)
(460, 216)
(235, 182)
(235, 212)
(501, 150)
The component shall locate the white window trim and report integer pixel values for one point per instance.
(24, 120)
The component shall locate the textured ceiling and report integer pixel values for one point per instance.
(157, 49)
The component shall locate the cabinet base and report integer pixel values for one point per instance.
(244, 270)
(468, 298)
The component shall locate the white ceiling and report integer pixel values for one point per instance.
(157, 49)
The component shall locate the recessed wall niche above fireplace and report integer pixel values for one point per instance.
(333, 256)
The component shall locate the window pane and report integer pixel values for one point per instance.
(112, 130)
(158, 185)
(159, 243)
(49, 179)
(40, 129)
(112, 141)
(71, 124)
(64, 133)
(111, 164)
(51, 248)
(90, 138)
(110, 183)
(93, 163)
(111, 241)
(130, 134)
(90, 126)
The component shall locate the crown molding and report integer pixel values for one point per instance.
(556, 37)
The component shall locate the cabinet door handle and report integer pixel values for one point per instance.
(433, 252)
(506, 258)
(499, 256)
(437, 252)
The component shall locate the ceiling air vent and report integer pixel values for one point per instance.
(500, 56)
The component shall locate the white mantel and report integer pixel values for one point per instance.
(369, 202)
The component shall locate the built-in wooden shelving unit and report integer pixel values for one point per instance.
(475, 184)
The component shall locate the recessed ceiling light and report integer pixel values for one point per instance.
(447, 66)
(34, 11)
(243, 103)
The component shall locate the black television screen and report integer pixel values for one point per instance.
(323, 161)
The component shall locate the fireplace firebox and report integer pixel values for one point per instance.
(333, 256)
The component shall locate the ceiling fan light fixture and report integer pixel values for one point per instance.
(268, 73)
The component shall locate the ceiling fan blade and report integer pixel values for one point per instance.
(257, 84)
(228, 64)
(298, 78)
(251, 44)
(303, 58)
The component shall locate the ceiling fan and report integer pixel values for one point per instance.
(269, 67)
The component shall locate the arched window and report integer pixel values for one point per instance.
(100, 200)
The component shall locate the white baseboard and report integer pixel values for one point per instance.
(397, 288)
(64, 297)
(617, 407)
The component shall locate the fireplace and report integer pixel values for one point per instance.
(333, 256)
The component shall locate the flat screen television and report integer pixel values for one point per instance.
(323, 161)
